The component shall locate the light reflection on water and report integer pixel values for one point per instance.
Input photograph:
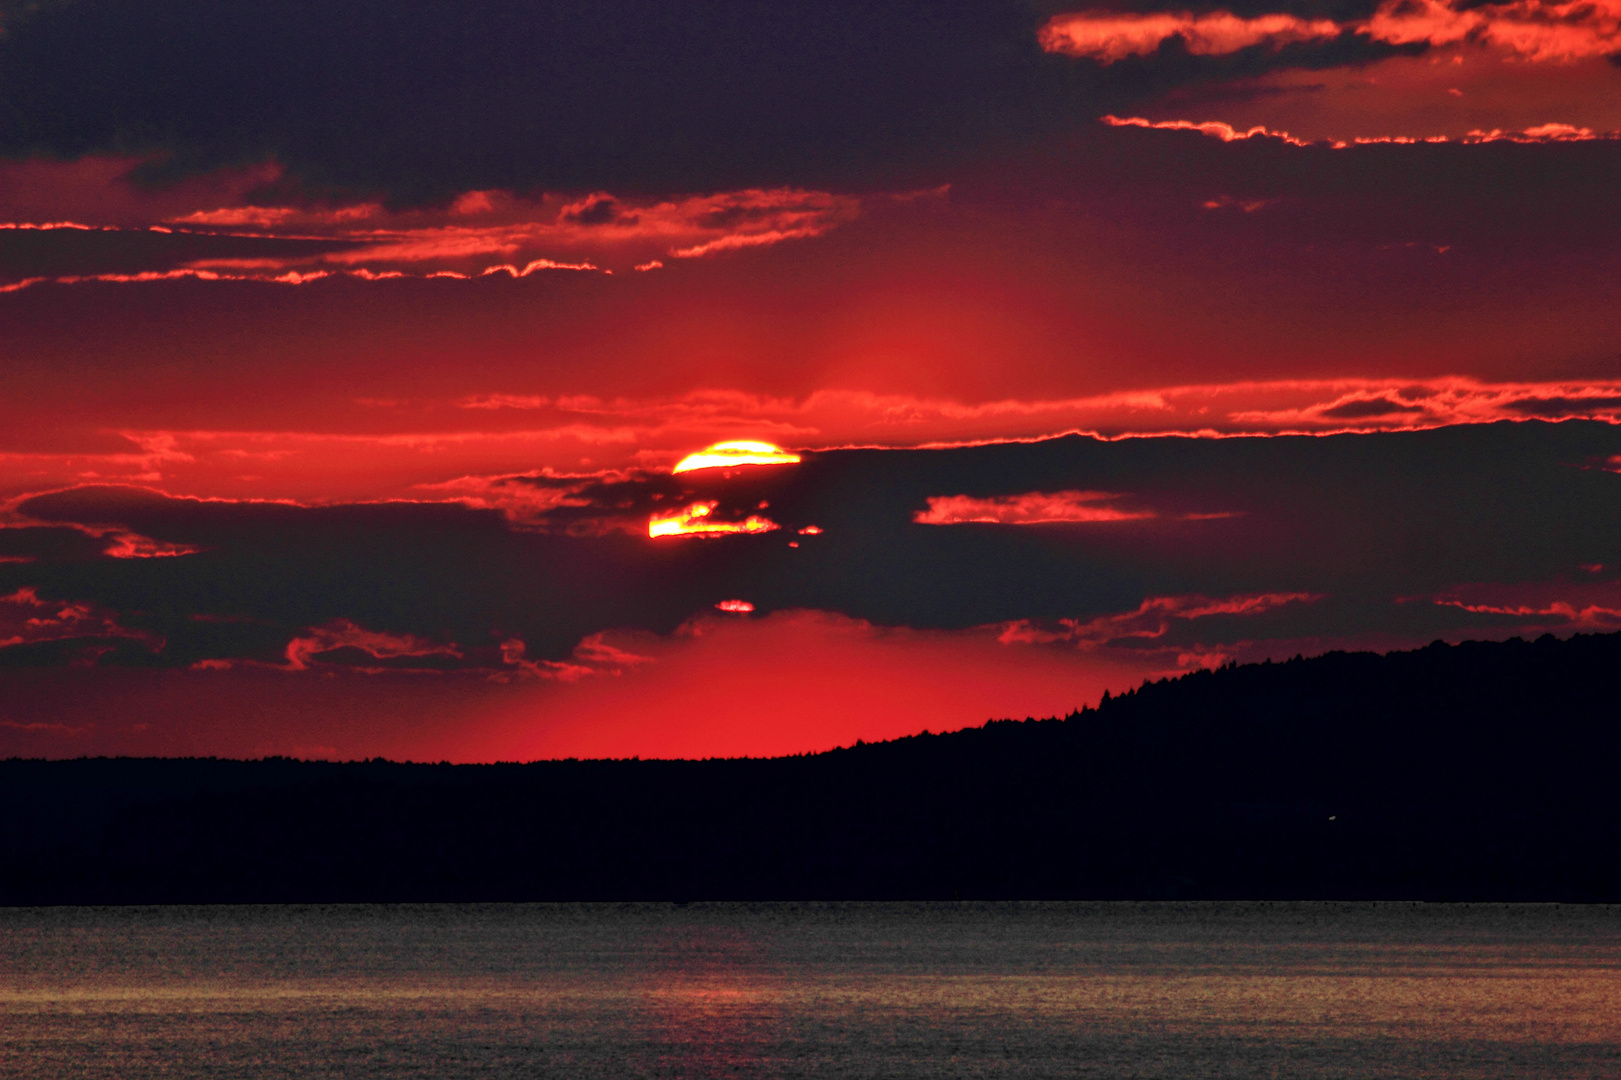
(824, 990)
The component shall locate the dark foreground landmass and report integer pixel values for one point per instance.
(1478, 771)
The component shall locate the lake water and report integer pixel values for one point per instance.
(812, 990)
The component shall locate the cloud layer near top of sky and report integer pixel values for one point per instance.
(417, 101)
(423, 99)
(1532, 30)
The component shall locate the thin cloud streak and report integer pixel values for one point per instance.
(1216, 129)
(1153, 618)
(1031, 508)
(1567, 605)
(479, 234)
(288, 277)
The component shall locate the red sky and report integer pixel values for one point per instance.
(381, 388)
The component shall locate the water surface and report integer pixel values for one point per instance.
(812, 990)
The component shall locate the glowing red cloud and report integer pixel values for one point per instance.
(512, 653)
(1031, 508)
(592, 656)
(22, 619)
(725, 455)
(1567, 605)
(479, 234)
(1110, 36)
(1152, 619)
(740, 607)
(695, 520)
(342, 633)
(128, 545)
(25, 619)
(1542, 133)
(51, 226)
(1531, 30)
(120, 542)
(100, 190)
(491, 223)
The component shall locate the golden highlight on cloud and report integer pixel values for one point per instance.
(1529, 30)
(698, 520)
(1031, 508)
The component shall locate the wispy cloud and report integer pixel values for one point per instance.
(1031, 508)
(1152, 619)
(1112, 36)
(1543, 605)
(26, 619)
(594, 655)
(480, 234)
(341, 634)
(1530, 30)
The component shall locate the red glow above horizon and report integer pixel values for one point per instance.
(1381, 248)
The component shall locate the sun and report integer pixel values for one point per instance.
(739, 452)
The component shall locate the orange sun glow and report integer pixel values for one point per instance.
(740, 452)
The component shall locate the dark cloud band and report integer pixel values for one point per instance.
(1207, 541)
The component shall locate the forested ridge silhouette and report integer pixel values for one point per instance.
(1480, 771)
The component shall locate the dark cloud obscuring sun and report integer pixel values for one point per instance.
(1065, 541)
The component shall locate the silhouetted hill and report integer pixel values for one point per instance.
(1478, 771)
